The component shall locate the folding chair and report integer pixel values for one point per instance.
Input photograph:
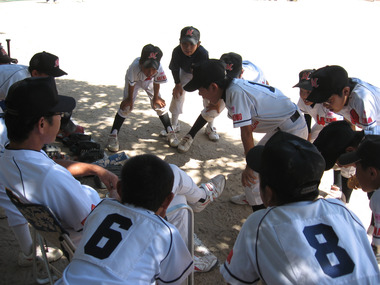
(190, 239)
(45, 227)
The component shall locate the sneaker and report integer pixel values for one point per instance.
(176, 129)
(204, 263)
(185, 143)
(213, 189)
(199, 247)
(52, 254)
(239, 199)
(211, 133)
(172, 139)
(113, 143)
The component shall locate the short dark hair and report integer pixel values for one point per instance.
(146, 180)
(20, 127)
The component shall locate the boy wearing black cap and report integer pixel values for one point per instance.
(321, 115)
(42, 64)
(357, 101)
(144, 73)
(33, 117)
(367, 161)
(253, 107)
(298, 239)
(235, 67)
(335, 139)
(188, 52)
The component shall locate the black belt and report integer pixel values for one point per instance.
(295, 116)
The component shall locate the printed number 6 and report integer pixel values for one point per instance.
(104, 230)
(329, 247)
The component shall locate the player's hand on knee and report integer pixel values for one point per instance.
(248, 177)
(160, 103)
(125, 104)
(177, 91)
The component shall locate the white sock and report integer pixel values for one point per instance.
(175, 119)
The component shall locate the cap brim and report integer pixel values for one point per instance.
(348, 158)
(189, 40)
(65, 104)
(316, 97)
(56, 72)
(253, 157)
(192, 85)
(304, 85)
(151, 64)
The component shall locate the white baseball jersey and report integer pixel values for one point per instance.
(363, 108)
(9, 74)
(253, 73)
(321, 115)
(319, 242)
(264, 108)
(36, 178)
(135, 77)
(123, 244)
(374, 204)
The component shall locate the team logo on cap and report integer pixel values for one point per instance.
(314, 83)
(305, 76)
(229, 66)
(153, 55)
(189, 32)
(56, 64)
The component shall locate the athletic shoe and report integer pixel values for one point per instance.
(213, 189)
(204, 263)
(176, 129)
(172, 139)
(113, 143)
(185, 143)
(52, 254)
(211, 133)
(239, 199)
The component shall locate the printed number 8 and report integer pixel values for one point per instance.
(330, 246)
(104, 230)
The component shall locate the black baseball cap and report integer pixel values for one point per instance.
(5, 58)
(333, 140)
(151, 56)
(234, 64)
(206, 72)
(327, 81)
(304, 79)
(288, 163)
(368, 152)
(190, 34)
(37, 96)
(47, 63)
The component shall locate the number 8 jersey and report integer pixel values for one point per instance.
(307, 242)
(123, 244)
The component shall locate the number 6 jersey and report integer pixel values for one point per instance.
(123, 244)
(307, 242)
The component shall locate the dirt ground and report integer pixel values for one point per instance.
(97, 40)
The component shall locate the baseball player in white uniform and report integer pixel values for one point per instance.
(298, 239)
(321, 115)
(253, 107)
(357, 101)
(366, 158)
(129, 242)
(235, 68)
(33, 117)
(145, 73)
